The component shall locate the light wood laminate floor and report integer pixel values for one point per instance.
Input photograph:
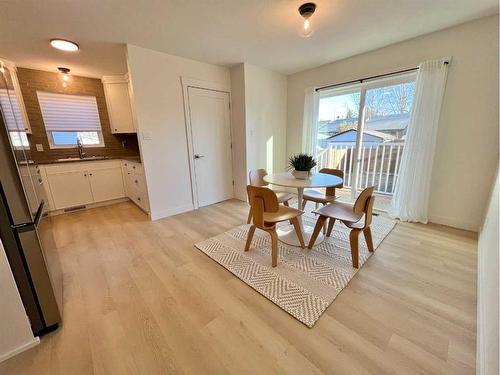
(140, 299)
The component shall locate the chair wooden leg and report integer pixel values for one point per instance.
(331, 223)
(249, 220)
(286, 203)
(368, 237)
(316, 205)
(298, 230)
(317, 229)
(251, 231)
(304, 202)
(274, 248)
(354, 240)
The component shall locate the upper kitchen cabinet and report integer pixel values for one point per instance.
(119, 101)
(12, 103)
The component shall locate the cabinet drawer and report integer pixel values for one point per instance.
(137, 181)
(139, 198)
(135, 167)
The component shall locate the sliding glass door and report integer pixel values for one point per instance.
(361, 130)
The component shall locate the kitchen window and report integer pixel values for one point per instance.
(69, 118)
(13, 118)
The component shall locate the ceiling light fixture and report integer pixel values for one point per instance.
(306, 11)
(64, 45)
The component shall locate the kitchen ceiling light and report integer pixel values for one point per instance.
(64, 45)
(65, 75)
(306, 11)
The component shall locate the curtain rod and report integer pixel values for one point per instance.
(370, 78)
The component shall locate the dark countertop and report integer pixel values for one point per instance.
(135, 159)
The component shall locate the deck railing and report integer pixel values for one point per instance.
(379, 164)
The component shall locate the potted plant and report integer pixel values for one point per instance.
(301, 165)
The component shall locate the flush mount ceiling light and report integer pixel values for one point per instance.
(64, 45)
(306, 11)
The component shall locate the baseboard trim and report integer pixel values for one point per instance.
(170, 212)
(87, 206)
(452, 222)
(35, 341)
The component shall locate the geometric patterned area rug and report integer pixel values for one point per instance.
(305, 282)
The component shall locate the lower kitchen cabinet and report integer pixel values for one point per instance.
(106, 184)
(69, 189)
(81, 183)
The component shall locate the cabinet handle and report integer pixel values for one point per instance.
(138, 198)
(136, 181)
(85, 174)
(90, 174)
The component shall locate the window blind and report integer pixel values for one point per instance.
(11, 112)
(62, 112)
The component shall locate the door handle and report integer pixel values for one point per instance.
(198, 156)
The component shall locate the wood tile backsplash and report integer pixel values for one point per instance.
(32, 81)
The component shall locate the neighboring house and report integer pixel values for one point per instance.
(394, 125)
(369, 136)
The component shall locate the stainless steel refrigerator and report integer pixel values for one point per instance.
(25, 232)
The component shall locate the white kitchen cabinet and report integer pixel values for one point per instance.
(106, 184)
(135, 184)
(119, 103)
(81, 183)
(70, 188)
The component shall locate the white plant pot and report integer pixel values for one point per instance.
(301, 175)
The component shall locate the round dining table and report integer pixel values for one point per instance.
(287, 234)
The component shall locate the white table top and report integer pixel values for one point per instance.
(318, 180)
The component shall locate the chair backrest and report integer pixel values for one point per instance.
(256, 177)
(361, 203)
(261, 200)
(369, 210)
(336, 172)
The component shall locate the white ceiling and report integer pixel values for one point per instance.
(225, 32)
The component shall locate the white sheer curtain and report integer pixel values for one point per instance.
(411, 198)
(310, 122)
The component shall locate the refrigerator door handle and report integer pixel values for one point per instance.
(26, 227)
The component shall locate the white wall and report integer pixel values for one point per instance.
(15, 330)
(238, 131)
(467, 144)
(259, 113)
(488, 291)
(159, 107)
(265, 111)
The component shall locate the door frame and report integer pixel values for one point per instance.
(204, 85)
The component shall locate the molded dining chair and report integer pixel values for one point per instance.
(266, 213)
(358, 218)
(328, 196)
(256, 178)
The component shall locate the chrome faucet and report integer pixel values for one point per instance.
(81, 153)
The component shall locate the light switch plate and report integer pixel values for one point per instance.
(39, 147)
(147, 135)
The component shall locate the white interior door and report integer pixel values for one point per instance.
(211, 140)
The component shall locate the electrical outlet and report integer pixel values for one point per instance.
(39, 147)
(147, 135)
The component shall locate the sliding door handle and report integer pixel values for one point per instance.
(198, 156)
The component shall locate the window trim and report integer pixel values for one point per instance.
(52, 145)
